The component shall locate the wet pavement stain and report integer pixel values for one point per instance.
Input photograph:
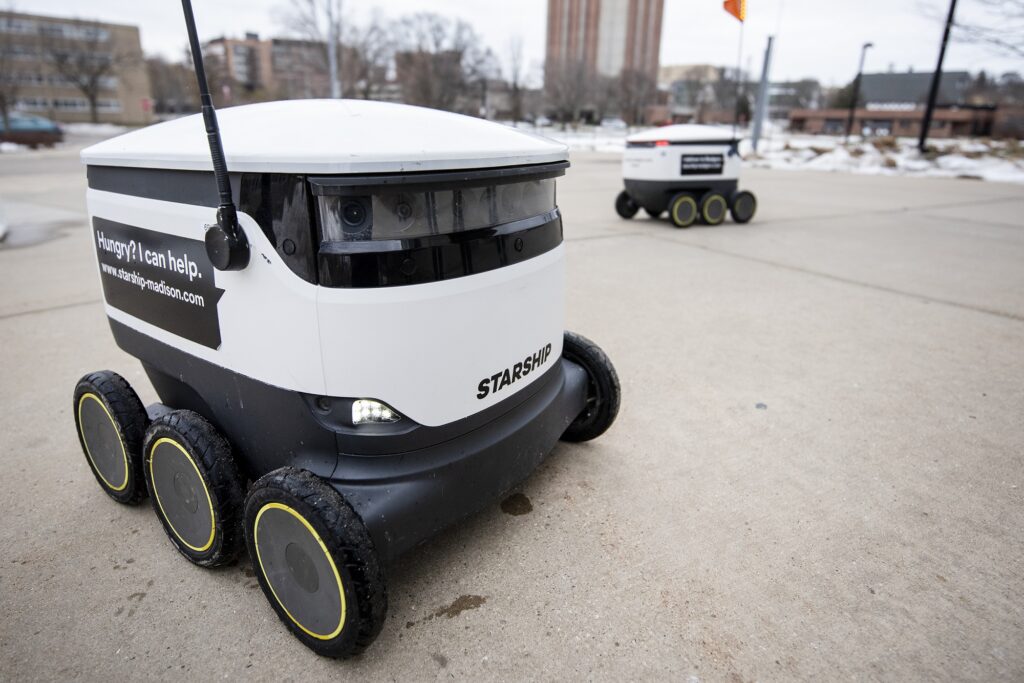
(516, 504)
(461, 604)
(441, 660)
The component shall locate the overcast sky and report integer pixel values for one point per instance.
(815, 38)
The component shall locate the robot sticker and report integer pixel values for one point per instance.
(162, 279)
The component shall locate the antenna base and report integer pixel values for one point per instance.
(226, 249)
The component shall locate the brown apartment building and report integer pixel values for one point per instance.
(609, 36)
(244, 69)
(33, 83)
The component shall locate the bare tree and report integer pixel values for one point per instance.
(636, 91)
(172, 84)
(318, 21)
(567, 86)
(368, 53)
(515, 77)
(437, 60)
(85, 60)
(997, 24)
(604, 96)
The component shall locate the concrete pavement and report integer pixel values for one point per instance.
(817, 472)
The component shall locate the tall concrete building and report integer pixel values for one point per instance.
(608, 36)
(42, 58)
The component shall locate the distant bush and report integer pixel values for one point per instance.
(885, 142)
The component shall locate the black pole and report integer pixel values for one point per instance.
(933, 93)
(853, 106)
(856, 89)
(225, 242)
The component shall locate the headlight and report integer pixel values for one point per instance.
(368, 411)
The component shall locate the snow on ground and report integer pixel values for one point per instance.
(7, 147)
(999, 161)
(94, 129)
(978, 159)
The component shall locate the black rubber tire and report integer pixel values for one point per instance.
(603, 392)
(344, 538)
(625, 206)
(713, 208)
(682, 210)
(197, 441)
(742, 206)
(653, 214)
(129, 420)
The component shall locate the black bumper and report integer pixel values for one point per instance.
(655, 195)
(406, 484)
(407, 498)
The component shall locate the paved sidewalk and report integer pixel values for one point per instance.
(817, 473)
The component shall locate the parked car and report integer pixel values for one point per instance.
(31, 130)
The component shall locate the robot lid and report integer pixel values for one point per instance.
(683, 134)
(328, 137)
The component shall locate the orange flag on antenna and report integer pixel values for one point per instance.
(737, 8)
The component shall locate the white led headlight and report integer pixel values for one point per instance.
(368, 411)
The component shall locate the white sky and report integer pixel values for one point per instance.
(815, 38)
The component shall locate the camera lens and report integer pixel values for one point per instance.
(353, 213)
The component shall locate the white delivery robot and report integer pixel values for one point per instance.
(367, 349)
(691, 170)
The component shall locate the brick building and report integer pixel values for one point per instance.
(608, 36)
(30, 46)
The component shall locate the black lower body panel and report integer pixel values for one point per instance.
(654, 195)
(406, 485)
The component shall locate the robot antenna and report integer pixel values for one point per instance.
(225, 242)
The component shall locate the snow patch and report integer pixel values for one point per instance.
(94, 129)
(779, 149)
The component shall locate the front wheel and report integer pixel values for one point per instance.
(682, 210)
(625, 206)
(602, 404)
(316, 562)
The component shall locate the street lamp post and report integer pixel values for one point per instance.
(856, 89)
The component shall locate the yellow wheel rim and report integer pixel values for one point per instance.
(330, 560)
(714, 199)
(88, 453)
(689, 201)
(163, 513)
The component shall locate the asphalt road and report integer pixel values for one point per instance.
(817, 472)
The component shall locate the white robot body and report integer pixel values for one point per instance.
(424, 349)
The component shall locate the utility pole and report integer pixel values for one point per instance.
(933, 93)
(333, 16)
(762, 95)
(856, 89)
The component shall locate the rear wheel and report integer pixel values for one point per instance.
(625, 206)
(111, 422)
(682, 210)
(602, 405)
(315, 562)
(196, 488)
(743, 206)
(713, 208)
